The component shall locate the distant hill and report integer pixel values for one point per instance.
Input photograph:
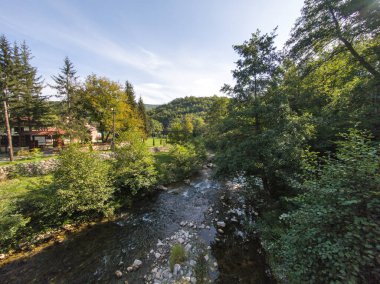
(179, 107)
(150, 107)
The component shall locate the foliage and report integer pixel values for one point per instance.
(177, 255)
(327, 24)
(104, 100)
(333, 234)
(12, 224)
(178, 108)
(133, 169)
(185, 160)
(83, 185)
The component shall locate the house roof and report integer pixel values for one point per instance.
(48, 131)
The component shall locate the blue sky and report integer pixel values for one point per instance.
(165, 48)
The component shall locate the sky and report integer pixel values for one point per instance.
(165, 48)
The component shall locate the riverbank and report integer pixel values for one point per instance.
(186, 212)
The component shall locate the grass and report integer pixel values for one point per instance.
(25, 160)
(177, 255)
(158, 142)
(19, 187)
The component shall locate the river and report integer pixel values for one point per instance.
(93, 255)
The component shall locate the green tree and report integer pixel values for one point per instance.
(66, 85)
(7, 85)
(143, 116)
(325, 23)
(131, 97)
(100, 96)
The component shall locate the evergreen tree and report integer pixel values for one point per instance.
(7, 85)
(131, 99)
(66, 85)
(143, 116)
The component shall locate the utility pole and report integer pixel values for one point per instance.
(113, 130)
(9, 134)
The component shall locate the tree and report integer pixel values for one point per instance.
(100, 96)
(29, 103)
(131, 97)
(7, 84)
(260, 136)
(66, 85)
(143, 116)
(325, 23)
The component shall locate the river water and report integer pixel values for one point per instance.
(93, 255)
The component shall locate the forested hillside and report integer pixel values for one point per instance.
(197, 106)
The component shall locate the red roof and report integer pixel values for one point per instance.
(48, 131)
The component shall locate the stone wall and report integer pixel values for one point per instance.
(28, 169)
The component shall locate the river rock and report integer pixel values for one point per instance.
(159, 243)
(118, 273)
(220, 231)
(161, 187)
(157, 255)
(180, 240)
(192, 262)
(188, 247)
(129, 268)
(206, 257)
(177, 269)
(193, 280)
(137, 263)
(221, 224)
(187, 181)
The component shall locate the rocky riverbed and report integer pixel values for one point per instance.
(205, 217)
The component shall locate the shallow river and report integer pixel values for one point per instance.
(93, 255)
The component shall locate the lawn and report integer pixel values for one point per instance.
(19, 187)
(26, 160)
(158, 142)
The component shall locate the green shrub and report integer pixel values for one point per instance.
(333, 236)
(185, 161)
(133, 169)
(177, 255)
(82, 183)
(12, 224)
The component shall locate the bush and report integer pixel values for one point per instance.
(177, 255)
(82, 184)
(185, 161)
(134, 169)
(12, 224)
(333, 236)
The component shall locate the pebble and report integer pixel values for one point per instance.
(206, 257)
(221, 224)
(221, 231)
(118, 273)
(177, 269)
(157, 255)
(180, 240)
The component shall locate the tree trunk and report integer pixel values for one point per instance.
(9, 135)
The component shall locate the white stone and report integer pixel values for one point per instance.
(177, 269)
(118, 273)
(193, 280)
(180, 240)
(221, 224)
(137, 263)
(188, 247)
(157, 255)
(206, 257)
